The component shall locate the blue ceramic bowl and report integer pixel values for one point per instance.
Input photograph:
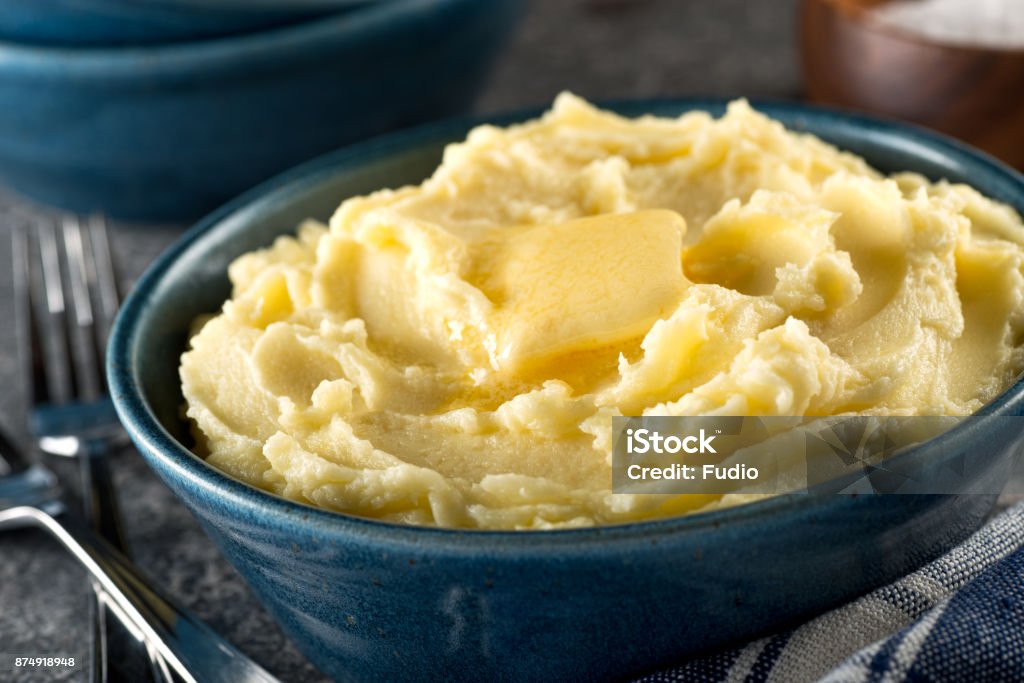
(371, 601)
(170, 132)
(137, 22)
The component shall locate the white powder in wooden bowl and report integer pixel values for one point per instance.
(984, 23)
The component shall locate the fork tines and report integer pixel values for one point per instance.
(66, 297)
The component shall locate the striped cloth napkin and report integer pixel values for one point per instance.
(959, 618)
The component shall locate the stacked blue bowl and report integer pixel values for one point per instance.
(160, 110)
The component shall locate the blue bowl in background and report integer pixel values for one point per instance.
(167, 133)
(138, 22)
(371, 601)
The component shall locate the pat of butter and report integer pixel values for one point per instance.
(585, 284)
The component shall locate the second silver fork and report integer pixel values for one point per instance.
(66, 299)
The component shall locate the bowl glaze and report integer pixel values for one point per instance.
(139, 22)
(168, 133)
(371, 601)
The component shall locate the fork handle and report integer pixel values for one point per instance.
(102, 509)
(104, 516)
(194, 650)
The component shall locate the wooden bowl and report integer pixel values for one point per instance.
(852, 59)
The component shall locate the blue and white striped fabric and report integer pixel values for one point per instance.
(960, 618)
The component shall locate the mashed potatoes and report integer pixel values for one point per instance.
(454, 353)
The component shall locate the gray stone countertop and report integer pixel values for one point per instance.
(601, 49)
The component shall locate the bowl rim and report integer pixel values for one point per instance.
(163, 451)
(264, 5)
(261, 5)
(272, 46)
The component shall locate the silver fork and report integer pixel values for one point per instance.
(29, 495)
(65, 307)
(72, 416)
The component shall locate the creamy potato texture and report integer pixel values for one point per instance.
(453, 353)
